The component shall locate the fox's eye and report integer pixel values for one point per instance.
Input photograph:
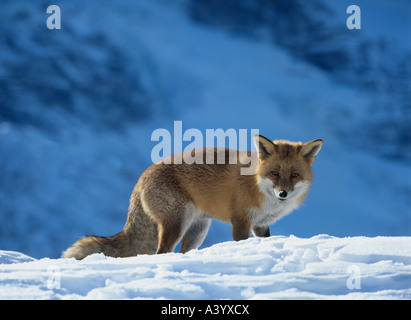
(294, 175)
(275, 173)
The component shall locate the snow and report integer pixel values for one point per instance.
(278, 267)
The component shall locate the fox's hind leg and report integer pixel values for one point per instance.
(167, 240)
(171, 230)
(195, 234)
(169, 235)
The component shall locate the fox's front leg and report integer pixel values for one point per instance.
(241, 229)
(261, 231)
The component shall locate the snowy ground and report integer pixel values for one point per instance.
(321, 267)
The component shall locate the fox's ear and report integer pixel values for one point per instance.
(264, 146)
(310, 149)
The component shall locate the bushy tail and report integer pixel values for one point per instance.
(139, 236)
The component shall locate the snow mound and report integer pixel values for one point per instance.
(321, 267)
(14, 257)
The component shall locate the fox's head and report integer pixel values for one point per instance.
(285, 167)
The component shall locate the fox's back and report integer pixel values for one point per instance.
(212, 183)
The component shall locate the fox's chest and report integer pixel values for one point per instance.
(271, 210)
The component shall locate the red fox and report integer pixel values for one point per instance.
(173, 202)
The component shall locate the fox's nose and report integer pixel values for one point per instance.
(283, 194)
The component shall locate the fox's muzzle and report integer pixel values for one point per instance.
(281, 194)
